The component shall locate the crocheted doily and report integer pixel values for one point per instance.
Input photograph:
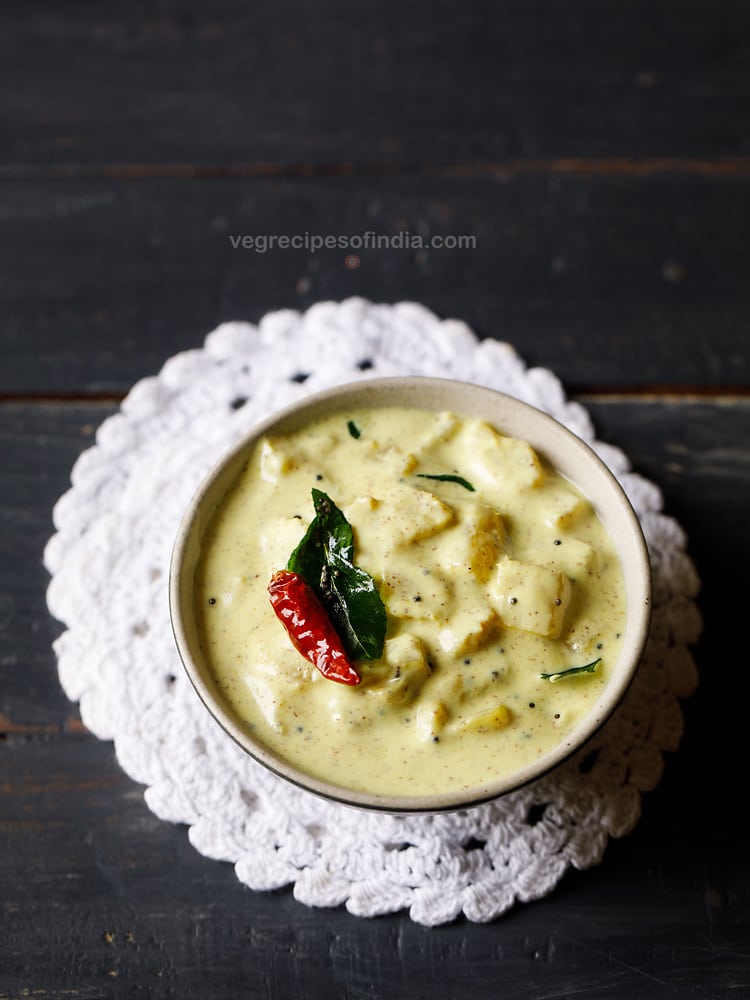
(109, 563)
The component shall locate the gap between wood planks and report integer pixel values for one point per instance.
(584, 394)
(595, 166)
(8, 728)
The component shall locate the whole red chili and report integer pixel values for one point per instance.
(297, 607)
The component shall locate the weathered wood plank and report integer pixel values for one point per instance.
(374, 82)
(699, 456)
(101, 897)
(38, 447)
(610, 281)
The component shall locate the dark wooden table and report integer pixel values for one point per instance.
(600, 154)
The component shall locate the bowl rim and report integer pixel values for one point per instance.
(379, 392)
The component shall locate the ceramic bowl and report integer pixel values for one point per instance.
(563, 449)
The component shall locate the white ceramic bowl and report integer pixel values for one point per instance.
(563, 449)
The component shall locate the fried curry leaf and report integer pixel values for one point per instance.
(558, 675)
(448, 478)
(325, 559)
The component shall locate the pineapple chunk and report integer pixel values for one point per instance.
(406, 656)
(458, 687)
(500, 459)
(280, 539)
(410, 592)
(360, 508)
(416, 514)
(397, 462)
(497, 717)
(564, 507)
(475, 543)
(528, 597)
(469, 628)
(268, 701)
(275, 460)
(405, 516)
(573, 557)
(277, 457)
(276, 683)
(442, 429)
(431, 720)
(360, 513)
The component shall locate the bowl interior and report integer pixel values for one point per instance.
(563, 449)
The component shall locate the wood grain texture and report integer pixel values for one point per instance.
(424, 82)
(101, 899)
(610, 281)
(600, 155)
(698, 454)
(38, 446)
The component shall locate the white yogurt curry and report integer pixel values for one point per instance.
(497, 578)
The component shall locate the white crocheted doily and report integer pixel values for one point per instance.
(109, 561)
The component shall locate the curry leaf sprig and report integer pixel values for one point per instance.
(558, 675)
(447, 478)
(324, 558)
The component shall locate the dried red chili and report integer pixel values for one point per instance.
(297, 607)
